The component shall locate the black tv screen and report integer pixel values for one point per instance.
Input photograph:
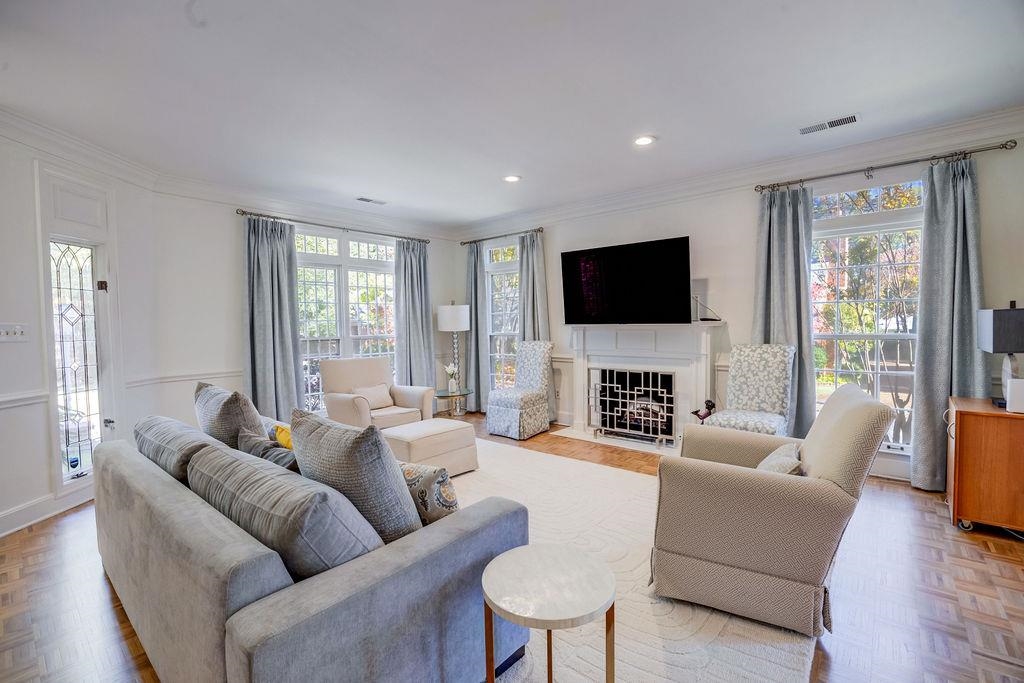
(639, 283)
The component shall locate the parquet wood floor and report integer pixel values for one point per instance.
(913, 598)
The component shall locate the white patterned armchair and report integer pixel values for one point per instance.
(760, 388)
(521, 411)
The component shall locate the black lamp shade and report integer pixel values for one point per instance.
(1001, 330)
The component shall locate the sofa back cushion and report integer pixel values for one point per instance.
(344, 375)
(170, 444)
(378, 396)
(222, 413)
(845, 437)
(311, 526)
(358, 463)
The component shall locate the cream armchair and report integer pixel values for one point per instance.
(361, 392)
(757, 543)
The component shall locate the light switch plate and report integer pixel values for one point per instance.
(13, 332)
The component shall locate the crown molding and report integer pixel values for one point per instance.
(68, 148)
(59, 146)
(985, 129)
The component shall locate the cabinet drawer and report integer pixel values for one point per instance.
(990, 470)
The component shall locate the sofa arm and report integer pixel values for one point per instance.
(778, 524)
(730, 446)
(349, 409)
(421, 398)
(408, 611)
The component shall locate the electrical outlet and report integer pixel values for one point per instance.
(13, 332)
(558, 394)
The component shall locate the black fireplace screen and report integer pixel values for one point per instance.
(635, 403)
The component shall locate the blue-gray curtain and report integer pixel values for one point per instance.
(533, 298)
(478, 376)
(782, 298)
(414, 321)
(273, 365)
(947, 361)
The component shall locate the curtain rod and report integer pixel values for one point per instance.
(869, 171)
(498, 237)
(243, 212)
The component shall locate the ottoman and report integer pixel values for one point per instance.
(443, 443)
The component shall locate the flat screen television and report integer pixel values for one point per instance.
(628, 284)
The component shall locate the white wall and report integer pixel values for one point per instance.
(179, 276)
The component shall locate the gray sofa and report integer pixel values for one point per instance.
(211, 603)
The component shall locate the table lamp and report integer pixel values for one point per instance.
(1002, 331)
(453, 319)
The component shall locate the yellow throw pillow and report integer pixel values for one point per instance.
(283, 435)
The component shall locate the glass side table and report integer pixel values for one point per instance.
(457, 400)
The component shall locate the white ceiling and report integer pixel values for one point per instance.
(426, 105)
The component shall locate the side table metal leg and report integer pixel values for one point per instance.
(489, 641)
(551, 666)
(609, 644)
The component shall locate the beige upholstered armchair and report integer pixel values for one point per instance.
(758, 543)
(361, 392)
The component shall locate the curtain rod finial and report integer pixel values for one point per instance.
(1010, 144)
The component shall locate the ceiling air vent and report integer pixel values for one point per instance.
(825, 125)
(370, 201)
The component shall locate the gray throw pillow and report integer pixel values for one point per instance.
(311, 526)
(785, 460)
(257, 443)
(170, 444)
(432, 490)
(222, 413)
(358, 463)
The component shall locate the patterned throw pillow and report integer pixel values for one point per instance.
(359, 464)
(222, 413)
(257, 443)
(785, 460)
(431, 489)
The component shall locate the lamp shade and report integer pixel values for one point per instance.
(453, 318)
(1001, 330)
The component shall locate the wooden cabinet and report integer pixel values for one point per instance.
(985, 464)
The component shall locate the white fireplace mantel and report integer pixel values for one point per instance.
(684, 350)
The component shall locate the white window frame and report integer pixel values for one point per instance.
(343, 264)
(490, 269)
(881, 221)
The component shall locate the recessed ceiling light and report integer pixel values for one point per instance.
(644, 140)
(512, 178)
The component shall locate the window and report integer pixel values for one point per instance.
(502, 268)
(73, 293)
(346, 296)
(865, 277)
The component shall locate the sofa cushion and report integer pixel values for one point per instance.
(432, 490)
(784, 460)
(845, 438)
(748, 421)
(360, 464)
(379, 395)
(311, 526)
(170, 443)
(392, 416)
(257, 443)
(222, 413)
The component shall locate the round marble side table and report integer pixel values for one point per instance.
(549, 587)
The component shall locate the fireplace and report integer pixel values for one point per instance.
(635, 404)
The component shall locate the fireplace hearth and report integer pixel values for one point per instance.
(635, 404)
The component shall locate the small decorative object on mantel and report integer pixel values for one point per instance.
(709, 407)
(451, 370)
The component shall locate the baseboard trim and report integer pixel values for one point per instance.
(891, 466)
(33, 511)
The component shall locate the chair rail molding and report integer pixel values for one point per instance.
(25, 398)
(137, 382)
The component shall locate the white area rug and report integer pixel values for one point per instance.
(610, 513)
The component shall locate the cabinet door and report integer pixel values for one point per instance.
(990, 469)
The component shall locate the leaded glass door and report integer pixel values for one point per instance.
(73, 286)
